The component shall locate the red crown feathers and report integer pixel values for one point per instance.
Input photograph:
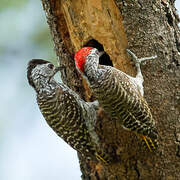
(80, 57)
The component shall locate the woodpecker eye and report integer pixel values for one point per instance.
(51, 66)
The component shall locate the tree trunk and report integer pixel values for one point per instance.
(147, 28)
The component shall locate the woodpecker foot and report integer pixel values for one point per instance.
(100, 158)
(149, 143)
(138, 80)
(139, 60)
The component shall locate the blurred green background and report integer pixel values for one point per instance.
(29, 149)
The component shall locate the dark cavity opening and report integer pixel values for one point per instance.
(104, 59)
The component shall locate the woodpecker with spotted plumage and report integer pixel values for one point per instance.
(67, 114)
(120, 95)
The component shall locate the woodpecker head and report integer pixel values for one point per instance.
(81, 57)
(40, 71)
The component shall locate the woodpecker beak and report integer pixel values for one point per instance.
(58, 69)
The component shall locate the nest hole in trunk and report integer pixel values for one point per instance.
(104, 59)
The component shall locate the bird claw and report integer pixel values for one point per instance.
(139, 60)
(146, 139)
(100, 158)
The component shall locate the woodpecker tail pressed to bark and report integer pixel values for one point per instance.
(118, 93)
(67, 114)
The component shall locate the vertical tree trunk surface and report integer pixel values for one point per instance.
(147, 28)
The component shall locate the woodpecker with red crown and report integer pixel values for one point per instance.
(120, 95)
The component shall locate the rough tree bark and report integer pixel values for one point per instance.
(147, 28)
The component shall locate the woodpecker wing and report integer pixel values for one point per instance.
(64, 112)
(119, 96)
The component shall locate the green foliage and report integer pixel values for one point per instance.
(43, 39)
(12, 3)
